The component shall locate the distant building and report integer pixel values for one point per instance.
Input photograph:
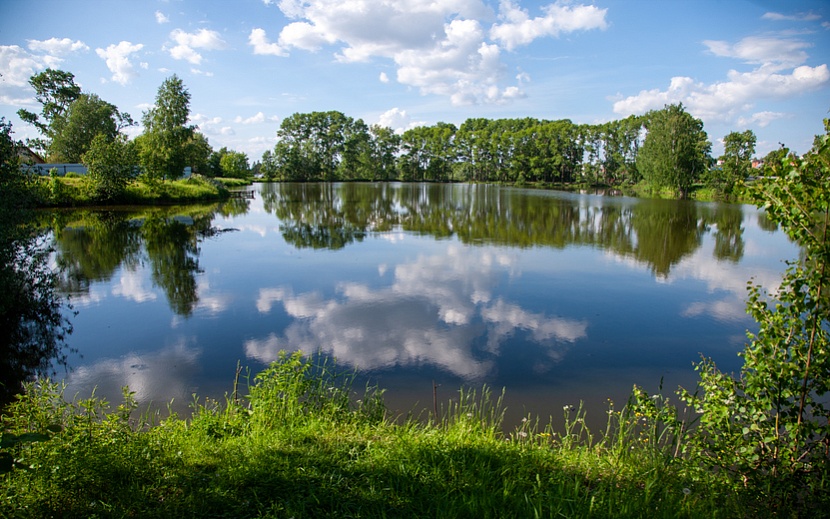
(28, 156)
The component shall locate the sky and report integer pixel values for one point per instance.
(248, 64)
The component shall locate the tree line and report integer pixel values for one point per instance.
(666, 148)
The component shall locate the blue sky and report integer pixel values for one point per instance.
(737, 65)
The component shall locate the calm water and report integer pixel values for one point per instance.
(557, 297)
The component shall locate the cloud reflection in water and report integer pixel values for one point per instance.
(438, 310)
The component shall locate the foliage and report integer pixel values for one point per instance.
(164, 144)
(675, 151)
(306, 444)
(55, 90)
(111, 164)
(86, 117)
(32, 325)
(234, 164)
(736, 162)
(769, 427)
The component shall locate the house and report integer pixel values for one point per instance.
(28, 156)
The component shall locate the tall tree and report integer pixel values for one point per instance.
(166, 132)
(111, 164)
(676, 149)
(55, 90)
(234, 164)
(736, 161)
(85, 118)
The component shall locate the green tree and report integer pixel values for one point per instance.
(164, 150)
(736, 161)
(675, 151)
(32, 323)
(55, 90)
(385, 145)
(235, 164)
(769, 427)
(110, 164)
(85, 118)
(197, 152)
(776, 160)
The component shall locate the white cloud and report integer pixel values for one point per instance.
(438, 47)
(262, 46)
(57, 46)
(133, 285)
(435, 311)
(560, 17)
(118, 61)
(800, 17)
(398, 120)
(187, 43)
(161, 18)
(761, 119)
(725, 100)
(258, 118)
(779, 74)
(18, 65)
(383, 77)
(774, 53)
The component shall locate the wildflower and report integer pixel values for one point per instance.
(687, 491)
(522, 434)
(524, 420)
(569, 407)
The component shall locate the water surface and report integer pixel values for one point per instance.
(557, 297)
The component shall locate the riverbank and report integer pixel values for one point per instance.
(304, 443)
(75, 191)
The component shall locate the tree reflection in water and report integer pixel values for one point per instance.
(658, 233)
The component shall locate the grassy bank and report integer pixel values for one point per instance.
(76, 191)
(304, 443)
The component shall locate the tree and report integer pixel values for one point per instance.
(111, 164)
(166, 133)
(234, 164)
(736, 161)
(385, 145)
(198, 152)
(32, 323)
(769, 425)
(86, 117)
(676, 149)
(55, 90)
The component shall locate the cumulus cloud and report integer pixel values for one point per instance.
(262, 46)
(438, 47)
(398, 120)
(186, 44)
(779, 74)
(518, 28)
(57, 46)
(118, 61)
(257, 118)
(18, 65)
(161, 18)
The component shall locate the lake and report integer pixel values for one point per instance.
(557, 297)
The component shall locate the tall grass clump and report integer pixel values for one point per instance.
(297, 440)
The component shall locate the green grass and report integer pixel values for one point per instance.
(75, 191)
(304, 443)
(233, 182)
